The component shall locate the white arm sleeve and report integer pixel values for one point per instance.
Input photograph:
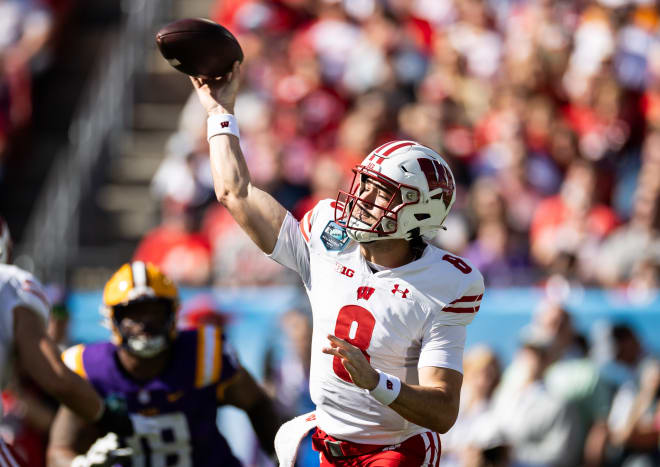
(442, 347)
(291, 250)
(23, 291)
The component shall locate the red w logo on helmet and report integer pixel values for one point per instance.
(438, 176)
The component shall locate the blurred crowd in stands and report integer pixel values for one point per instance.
(564, 400)
(547, 111)
(29, 33)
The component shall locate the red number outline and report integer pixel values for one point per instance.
(458, 263)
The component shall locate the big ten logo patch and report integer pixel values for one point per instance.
(344, 270)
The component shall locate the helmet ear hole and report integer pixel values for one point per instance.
(411, 196)
(422, 216)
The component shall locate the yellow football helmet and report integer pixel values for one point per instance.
(135, 283)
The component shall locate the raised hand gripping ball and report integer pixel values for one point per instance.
(199, 47)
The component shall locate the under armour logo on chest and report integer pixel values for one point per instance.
(404, 293)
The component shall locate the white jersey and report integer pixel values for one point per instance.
(403, 319)
(18, 288)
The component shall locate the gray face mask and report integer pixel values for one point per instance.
(146, 347)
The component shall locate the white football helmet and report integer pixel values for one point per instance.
(423, 192)
(5, 242)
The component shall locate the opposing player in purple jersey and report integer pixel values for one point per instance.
(171, 382)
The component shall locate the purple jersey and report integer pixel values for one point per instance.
(174, 414)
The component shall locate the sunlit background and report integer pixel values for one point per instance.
(548, 113)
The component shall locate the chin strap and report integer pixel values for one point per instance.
(363, 236)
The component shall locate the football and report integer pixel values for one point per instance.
(199, 47)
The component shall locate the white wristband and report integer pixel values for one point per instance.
(388, 388)
(221, 124)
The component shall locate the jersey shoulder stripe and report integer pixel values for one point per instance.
(73, 359)
(209, 356)
(465, 304)
(470, 300)
(306, 225)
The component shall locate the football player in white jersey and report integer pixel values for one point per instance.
(24, 343)
(389, 309)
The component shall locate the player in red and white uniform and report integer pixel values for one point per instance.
(390, 311)
(24, 311)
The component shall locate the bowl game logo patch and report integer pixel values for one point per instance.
(334, 237)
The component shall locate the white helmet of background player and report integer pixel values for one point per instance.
(5, 242)
(423, 192)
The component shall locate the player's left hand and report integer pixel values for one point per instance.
(357, 365)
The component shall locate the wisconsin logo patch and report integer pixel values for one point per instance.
(334, 237)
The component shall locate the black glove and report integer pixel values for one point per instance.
(115, 419)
